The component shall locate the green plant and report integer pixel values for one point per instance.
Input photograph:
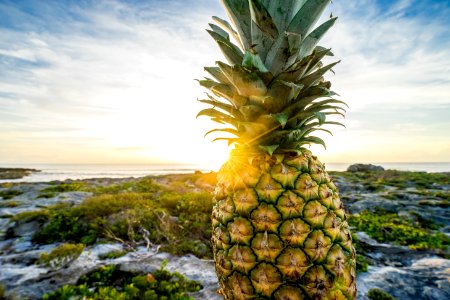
(109, 282)
(377, 294)
(61, 256)
(113, 254)
(389, 227)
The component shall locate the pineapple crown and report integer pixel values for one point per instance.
(271, 94)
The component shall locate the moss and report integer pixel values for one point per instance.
(9, 204)
(2, 291)
(377, 294)
(53, 191)
(389, 227)
(109, 282)
(41, 215)
(9, 194)
(61, 255)
(113, 254)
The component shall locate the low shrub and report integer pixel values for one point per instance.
(389, 227)
(109, 282)
(377, 294)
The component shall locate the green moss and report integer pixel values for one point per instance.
(389, 227)
(10, 204)
(9, 194)
(41, 215)
(113, 254)
(61, 255)
(377, 294)
(2, 291)
(53, 191)
(109, 282)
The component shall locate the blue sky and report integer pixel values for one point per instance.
(112, 81)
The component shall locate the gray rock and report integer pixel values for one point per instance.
(425, 279)
(364, 168)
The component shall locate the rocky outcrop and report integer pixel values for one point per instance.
(364, 168)
(15, 173)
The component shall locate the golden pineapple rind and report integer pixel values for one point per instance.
(282, 234)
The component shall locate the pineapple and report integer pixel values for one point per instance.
(279, 227)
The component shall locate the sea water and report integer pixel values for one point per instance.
(50, 172)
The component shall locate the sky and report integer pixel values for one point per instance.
(110, 81)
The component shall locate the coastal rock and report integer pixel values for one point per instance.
(425, 279)
(364, 168)
(15, 173)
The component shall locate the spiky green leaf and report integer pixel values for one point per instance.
(270, 149)
(239, 13)
(253, 61)
(307, 16)
(262, 18)
(320, 116)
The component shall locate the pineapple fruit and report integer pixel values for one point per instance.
(279, 227)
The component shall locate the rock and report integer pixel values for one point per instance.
(364, 168)
(26, 229)
(425, 279)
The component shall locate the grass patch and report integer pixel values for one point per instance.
(110, 283)
(389, 227)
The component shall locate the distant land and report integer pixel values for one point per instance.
(16, 173)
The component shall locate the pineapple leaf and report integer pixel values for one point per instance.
(307, 16)
(230, 140)
(223, 106)
(239, 13)
(262, 18)
(312, 78)
(313, 140)
(253, 61)
(230, 53)
(246, 83)
(213, 113)
(277, 55)
(282, 12)
(269, 149)
(228, 130)
(219, 31)
(282, 118)
(228, 28)
(310, 42)
(217, 74)
(320, 116)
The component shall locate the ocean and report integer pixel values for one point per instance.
(50, 172)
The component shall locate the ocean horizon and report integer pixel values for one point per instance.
(51, 172)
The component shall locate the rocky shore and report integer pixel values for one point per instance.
(400, 221)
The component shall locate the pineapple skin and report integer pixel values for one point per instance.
(280, 230)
